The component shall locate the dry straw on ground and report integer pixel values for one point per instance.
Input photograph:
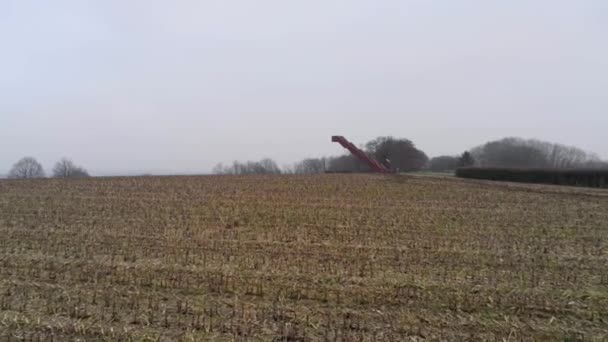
(301, 258)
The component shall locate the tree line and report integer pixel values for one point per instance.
(402, 154)
(398, 154)
(522, 154)
(28, 168)
(393, 153)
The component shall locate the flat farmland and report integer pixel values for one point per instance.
(301, 258)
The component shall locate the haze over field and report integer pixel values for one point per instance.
(160, 86)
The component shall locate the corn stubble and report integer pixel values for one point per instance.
(301, 258)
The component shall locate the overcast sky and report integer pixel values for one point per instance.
(178, 86)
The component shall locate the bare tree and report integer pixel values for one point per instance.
(269, 166)
(517, 152)
(219, 169)
(310, 166)
(26, 168)
(346, 163)
(264, 166)
(65, 168)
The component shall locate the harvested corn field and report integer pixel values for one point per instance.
(301, 258)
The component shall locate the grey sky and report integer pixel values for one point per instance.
(178, 86)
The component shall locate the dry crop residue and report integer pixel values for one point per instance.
(299, 258)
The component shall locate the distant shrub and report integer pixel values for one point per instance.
(575, 177)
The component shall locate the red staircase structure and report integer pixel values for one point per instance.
(372, 163)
